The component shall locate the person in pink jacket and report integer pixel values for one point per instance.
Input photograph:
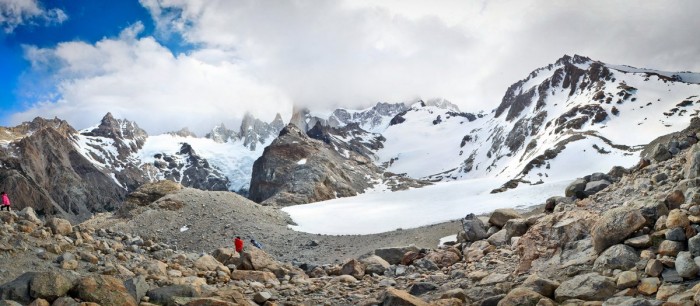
(5, 201)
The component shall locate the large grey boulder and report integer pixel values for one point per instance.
(615, 226)
(594, 187)
(661, 153)
(499, 217)
(50, 285)
(394, 255)
(651, 209)
(579, 185)
(474, 229)
(618, 256)
(685, 265)
(18, 289)
(375, 264)
(587, 287)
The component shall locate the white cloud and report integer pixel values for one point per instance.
(264, 55)
(14, 13)
(138, 79)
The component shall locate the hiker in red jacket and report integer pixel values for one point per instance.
(238, 243)
(5, 201)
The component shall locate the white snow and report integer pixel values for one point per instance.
(184, 228)
(450, 238)
(386, 211)
(302, 161)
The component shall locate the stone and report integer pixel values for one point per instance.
(627, 279)
(474, 229)
(685, 265)
(345, 279)
(579, 185)
(618, 256)
(675, 234)
(694, 245)
(60, 226)
(165, 295)
(40, 302)
(494, 278)
(375, 264)
(203, 302)
(443, 258)
(639, 242)
(18, 289)
(50, 285)
(660, 178)
(226, 256)
(394, 255)
(654, 268)
(515, 228)
(500, 216)
(588, 287)
(421, 288)
(521, 296)
(499, 238)
(137, 287)
(594, 187)
(675, 199)
(262, 297)
(29, 214)
(671, 276)
(649, 285)
(661, 153)
(670, 248)
(426, 264)
(455, 294)
(207, 263)
(104, 290)
(255, 276)
(677, 218)
(353, 267)
(615, 226)
(400, 298)
(543, 286)
(651, 209)
(665, 291)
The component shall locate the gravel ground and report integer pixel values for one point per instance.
(213, 219)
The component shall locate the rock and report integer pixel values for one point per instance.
(226, 256)
(104, 290)
(150, 192)
(666, 290)
(614, 226)
(675, 234)
(521, 296)
(395, 297)
(659, 178)
(60, 226)
(18, 289)
(626, 301)
(39, 302)
(50, 285)
(654, 268)
(455, 294)
(29, 214)
(255, 276)
(443, 258)
(354, 268)
(661, 153)
(9, 303)
(577, 185)
(426, 264)
(375, 264)
(394, 255)
(649, 285)
(345, 279)
(692, 165)
(494, 278)
(671, 276)
(596, 186)
(677, 218)
(515, 228)
(675, 199)
(207, 263)
(262, 297)
(499, 238)
(137, 287)
(421, 288)
(588, 287)
(206, 302)
(670, 248)
(499, 217)
(165, 295)
(694, 245)
(651, 209)
(541, 285)
(618, 256)
(627, 279)
(685, 265)
(639, 242)
(474, 229)
(411, 256)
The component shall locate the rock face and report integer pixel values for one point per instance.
(190, 169)
(319, 173)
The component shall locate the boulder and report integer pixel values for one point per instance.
(137, 287)
(50, 285)
(104, 290)
(649, 285)
(685, 265)
(499, 238)
(60, 226)
(675, 234)
(400, 298)
(353, 267)
(618, 256)
(262, 297)
(587, 287)
(661, 153)
(651, 209)
(375, 264)
(226, 256)
(615, 226)
(165, 295)
(691, 168)
(579, 185)
(421, 288)
(639, 242)
(677, 218)
(521, 296)
(654, 268)
(209, 302)
(443, 258)
(394, 255)
(627, 279)
(543, 286)
(474, 229)
(426, 264)
(255, 276)
(207, 263)
(29, 214)
(675, 199)
(515, 228)
(670, 248)
(594, 187)
(18, 289)
(694, 245)
(499, 217)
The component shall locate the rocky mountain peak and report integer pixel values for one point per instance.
(29, 128)
(442, 103)
(128, 137)
(184, 132)
(221, 134)
(256, 132)
(302, 118)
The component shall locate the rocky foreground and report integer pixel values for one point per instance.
(628, 237)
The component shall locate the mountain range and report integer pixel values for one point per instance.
(562, 121)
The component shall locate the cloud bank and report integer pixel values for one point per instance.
(264, 56)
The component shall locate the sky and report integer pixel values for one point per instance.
(167, 64)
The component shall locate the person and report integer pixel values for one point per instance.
(256, 244)
(5, 201)
(238, 243)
